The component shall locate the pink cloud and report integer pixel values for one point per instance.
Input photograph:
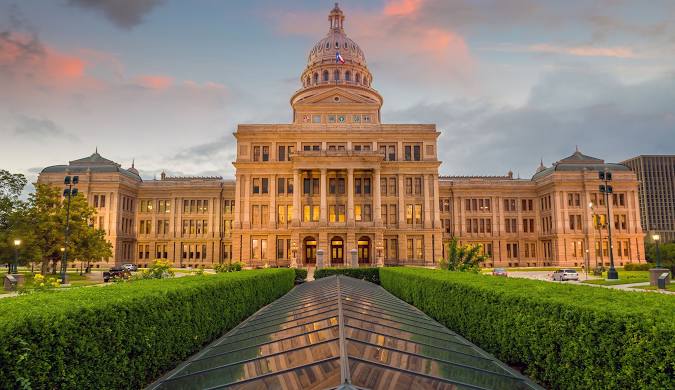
(155, 81)
(394, 35)
(402, 7)
(584, 51)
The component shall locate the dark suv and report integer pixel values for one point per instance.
(116, 273)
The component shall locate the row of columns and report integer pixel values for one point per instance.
(243, 187)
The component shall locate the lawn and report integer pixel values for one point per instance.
(669, 287)
(76, 280)
(625, 277)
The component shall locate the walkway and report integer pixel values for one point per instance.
(339, 332)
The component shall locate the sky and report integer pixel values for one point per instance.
(164, 83)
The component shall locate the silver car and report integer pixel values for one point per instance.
(565, 274)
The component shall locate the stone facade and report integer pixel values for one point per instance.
(337, 184)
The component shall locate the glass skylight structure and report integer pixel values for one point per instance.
(342, 333)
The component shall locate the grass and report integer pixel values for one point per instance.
(528, 269)
(669, 287)
(625, 277)
(75, 279)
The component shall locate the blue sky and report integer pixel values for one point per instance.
(165, 82)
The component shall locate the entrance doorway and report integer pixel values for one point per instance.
(337, 248)
(310, 250)
(364, 250)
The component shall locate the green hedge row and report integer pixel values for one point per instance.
(124, 335)
(300, 275)
(565, 337)
(370, 274)
(638, 266)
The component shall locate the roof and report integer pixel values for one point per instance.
(578, 162)
(94, 163)
(342, 333)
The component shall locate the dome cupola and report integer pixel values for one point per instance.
(336, 66)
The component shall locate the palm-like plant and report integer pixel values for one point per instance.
(462, 257)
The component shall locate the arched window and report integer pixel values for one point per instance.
(308, 83)
(316, 78)
(365, 81)
(325, 75)
(358, 78)
(327, 45)
(348, 76)
(346, 46)
(336, 75)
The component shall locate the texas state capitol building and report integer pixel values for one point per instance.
(337, 180)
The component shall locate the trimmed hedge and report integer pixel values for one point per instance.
(300, 275)
(564, 336)
(639, 266)
(124, 335)
(369, 274)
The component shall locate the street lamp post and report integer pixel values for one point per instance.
(68, 193)
(657, 238)
(598, 225)
(15, 268)
(606, 189)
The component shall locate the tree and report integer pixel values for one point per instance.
(462, 257)
(667, 251)
(11, 185)
(91, 245)
(46, 216)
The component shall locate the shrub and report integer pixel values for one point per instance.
(232, 267)
(300, 275)
(159, 269)
(124, 335)
(638, 266)
(369, 274)
(565, 336)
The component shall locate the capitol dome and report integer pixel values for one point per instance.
(334, 42)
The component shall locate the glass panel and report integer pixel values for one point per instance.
(374, 377)
(263, 338)
(436, 352)
(434, 368)
(235, 356)
(394, 332)
(267, 365)
(319, 376)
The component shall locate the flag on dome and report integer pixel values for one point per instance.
(338, 58)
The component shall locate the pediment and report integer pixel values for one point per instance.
(337, 95)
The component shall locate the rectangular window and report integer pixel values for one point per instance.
(357, 186)
(307, 186)
(265, 185)
(383, 186)
(341, 186)
(418, 214)
(256, 153)
(256, 185)
(408, 185)
(332, 186)
(367, 214)
(392, 186)
(289, 186)
(408, 153)
(409, 214)
(416, 153)
(392, 214)
(281, 185)
(315, 213)
(281, 215)
(95, 200)
(358, 215)
(281, 153)
(391, 154)
(265, 153)
(418, 186)
(366, 186)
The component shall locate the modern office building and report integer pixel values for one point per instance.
(656, 177)
(339, 181)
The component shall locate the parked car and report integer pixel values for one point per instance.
(565, 274)
(130, 267)
(116, 273)
(499, 272)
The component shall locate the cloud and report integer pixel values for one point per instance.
(412, 49)
(155, 82)
(607, 118)
(583, 51)
(402, 7)
(39, 128)
(122, 13)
